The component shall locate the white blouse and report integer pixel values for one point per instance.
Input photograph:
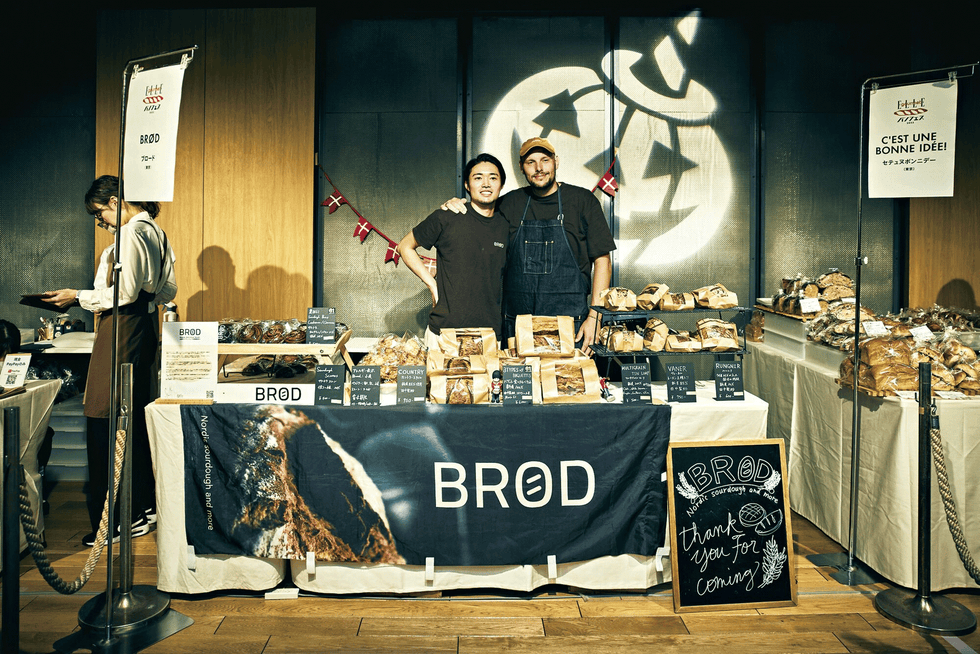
(141, 243)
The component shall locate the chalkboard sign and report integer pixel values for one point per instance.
(728, 381)
(411, 385)
(680, 382)
(365, 386)
(636, 383)
(517, 385)
(330, 384)
(321, 325)
(731, 545)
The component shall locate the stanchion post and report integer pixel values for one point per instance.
(920, 611)
(11, 529)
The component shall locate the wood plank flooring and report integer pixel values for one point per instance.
(829, 618)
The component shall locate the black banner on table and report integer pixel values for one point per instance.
(636, 383)
(680, 382)
(411, 385)
(330, 384)
(731, 545)
(728, 381)
(485, 485)
(365, 386)
(321, 325)
(517, 386)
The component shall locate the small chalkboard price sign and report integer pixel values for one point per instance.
(517, 387)
(680, 382)
(365, 386)
(636, 383)
(731, 545)
(321, 325)
(411, 385)
(728, 381)
(330, 384)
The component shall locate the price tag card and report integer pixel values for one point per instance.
(636, 383)
(922, 333)
(517, 385)
(321, 325)
(952, 395)
(875, 328)
(330, 384)
(365, 386)
(907, 395)
(680, 382)
(411, 384)
(728, 381)
(810, 305)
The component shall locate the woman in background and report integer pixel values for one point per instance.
(146, 280)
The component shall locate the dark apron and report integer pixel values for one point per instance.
(541, 277)
(138, 341)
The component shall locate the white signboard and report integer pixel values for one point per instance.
(188, 369)
(911, 142)
(152, 115)
(15, 370)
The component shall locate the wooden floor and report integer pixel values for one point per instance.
(829, 618)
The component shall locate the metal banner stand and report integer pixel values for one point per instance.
(919, 610)
(10, 637)
(851, 572)
(133, 617)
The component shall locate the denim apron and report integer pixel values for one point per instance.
(541, 277)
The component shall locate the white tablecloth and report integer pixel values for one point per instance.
(820, 467)
(35, 411)
(178, 571)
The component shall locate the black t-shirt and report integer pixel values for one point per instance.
(472, 250)
(585, 224)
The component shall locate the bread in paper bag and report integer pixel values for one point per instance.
(545, 336)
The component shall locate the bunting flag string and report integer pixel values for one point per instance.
(607, 184)
(364, 227)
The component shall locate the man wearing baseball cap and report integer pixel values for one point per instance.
(558, 259)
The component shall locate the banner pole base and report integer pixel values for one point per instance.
(848, 575)
(935, 614)
(141, 617)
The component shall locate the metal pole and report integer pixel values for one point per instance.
(11, 529)
(921, 611)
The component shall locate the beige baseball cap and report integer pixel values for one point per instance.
(536, 142)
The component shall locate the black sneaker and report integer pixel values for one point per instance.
(151, 516)
(140, 528)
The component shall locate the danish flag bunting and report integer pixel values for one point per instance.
(363, 229)
(333, 202)
(430, 265)
(392, 253)
(608, 184)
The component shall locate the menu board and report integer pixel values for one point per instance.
(728, 381)
(680, 382)
(321, 325)
(517, 385)
(411, 385)
(636, 383)
(365, 386)
(330, 384)
(731, 545)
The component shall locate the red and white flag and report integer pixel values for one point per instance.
(430, 265)
(392, 253)
(363, 229)
(608, 184)
(333, 202)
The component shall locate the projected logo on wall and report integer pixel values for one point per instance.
(674, 175)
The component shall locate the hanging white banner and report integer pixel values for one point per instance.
(912, 141)
(152, 116)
